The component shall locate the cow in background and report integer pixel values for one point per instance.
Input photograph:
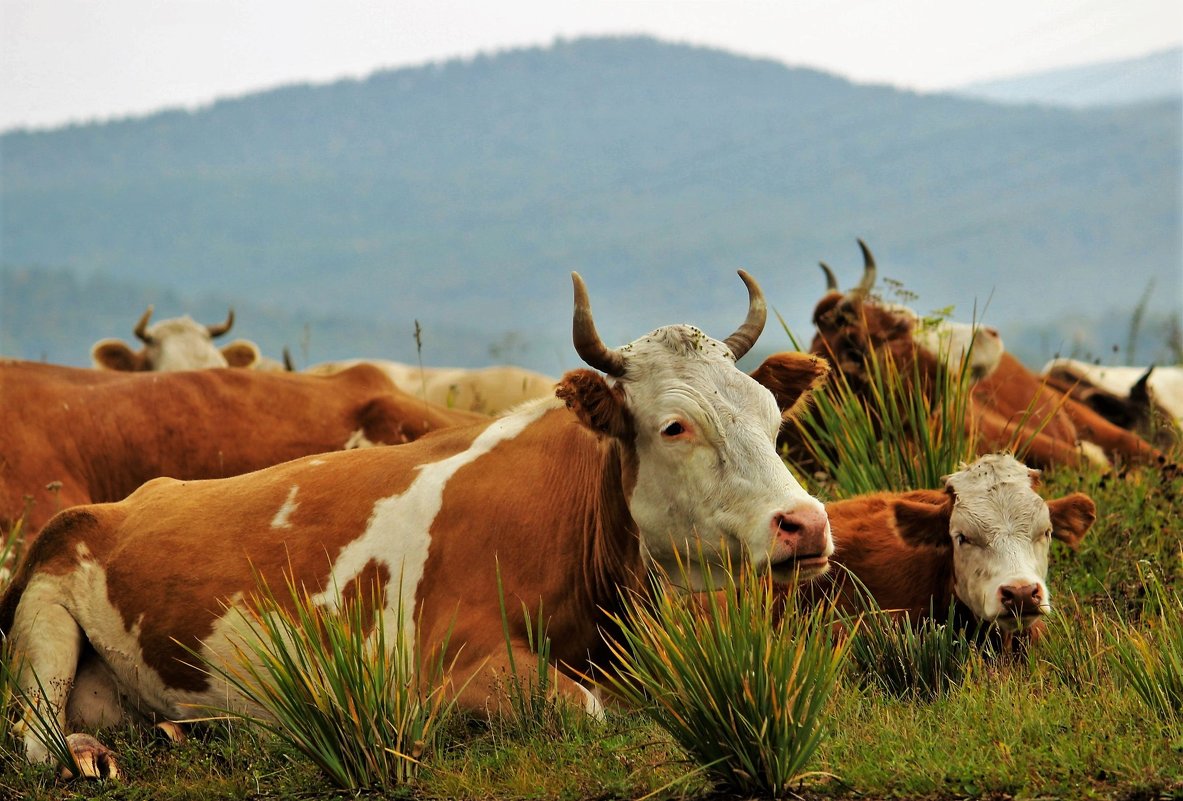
(488, 390)
(560, 505)
(1008, 406)
(180, 343)
(80, 436)
(1145, 400)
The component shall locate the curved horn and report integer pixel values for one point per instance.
(587, 341)
(746, 335)
(141, 329)
(218, 330)
(831, 281)
(864, 286)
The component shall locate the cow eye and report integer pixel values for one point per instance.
(1047, 535)
(960, 538)
(674, 429)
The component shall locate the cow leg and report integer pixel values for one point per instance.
(1042, 450)
(46, 644)
(484, 686)
(1114, 439)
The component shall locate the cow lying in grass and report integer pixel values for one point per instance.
(562, 503)
(83, 436)
(1010, 408)
(983, 541)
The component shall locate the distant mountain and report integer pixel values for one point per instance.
(1158, 76)
(462, 194)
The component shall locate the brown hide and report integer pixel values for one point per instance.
(560, 534)
(78, 436)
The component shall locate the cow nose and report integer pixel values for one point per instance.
(802, 533)
(1021, 599)
(990, 332)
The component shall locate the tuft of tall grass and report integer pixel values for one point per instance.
(1076, 645)
(917, 661)
(1149, 656)
(738, 684)
(895, 435)
(363, 708)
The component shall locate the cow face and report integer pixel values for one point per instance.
(177, 344)
(852, 325)
(999, 531)
(703, 436)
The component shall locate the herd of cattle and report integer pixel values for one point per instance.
(153, 494)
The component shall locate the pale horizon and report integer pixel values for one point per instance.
(68, 62)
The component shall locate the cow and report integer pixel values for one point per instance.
(1145, 400)
(1010, 407)
(180, 343)
(489, 390)
(981, 541)
(563, 504)
(897, 328)
(74, 435)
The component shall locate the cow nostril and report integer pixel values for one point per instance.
(788, 525)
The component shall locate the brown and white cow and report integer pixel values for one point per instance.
(489, 390)
(983, 540)
(180, 343)
(568, 499)
(1010, 407)
(1145, 400)
(79, 436)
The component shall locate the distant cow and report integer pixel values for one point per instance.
(983, 541)
(564, 502)
(489, 390)
(1009, 407)
(1145, 400)
(181, 343)
(78, 436)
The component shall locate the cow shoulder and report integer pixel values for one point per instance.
(114, 354)
(1072, 517)
(791, 377)
(922, 517)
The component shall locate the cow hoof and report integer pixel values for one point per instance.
(95, 760)
(173, 731)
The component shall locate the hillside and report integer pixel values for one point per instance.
(1154, 77)
(461, 194)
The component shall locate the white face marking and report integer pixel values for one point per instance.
(719, 481)
(949, 341)
(182, 344)
(1001, 535)
(398, 533)
(357, 440)
(283, 517)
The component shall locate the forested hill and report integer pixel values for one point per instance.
(463, 193)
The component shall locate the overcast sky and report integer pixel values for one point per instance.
(72, 60)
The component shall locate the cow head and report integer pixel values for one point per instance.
(851, 325)
(177, 344)
(999, 530)
(701, 436)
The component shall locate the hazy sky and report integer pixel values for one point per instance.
(68, 60)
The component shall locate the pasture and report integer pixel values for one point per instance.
(1062, 722)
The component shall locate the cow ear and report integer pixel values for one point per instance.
(597, 405)
(1072, 517)
(921, 522)
(791, 377)
(241, 353)
(114, 354)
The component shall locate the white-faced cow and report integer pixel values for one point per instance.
(1010, 407)
(181, 343)
(983, 541)
(76, 436)
(488, 390)
(567, 499)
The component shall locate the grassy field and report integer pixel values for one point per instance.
(1062, 722)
